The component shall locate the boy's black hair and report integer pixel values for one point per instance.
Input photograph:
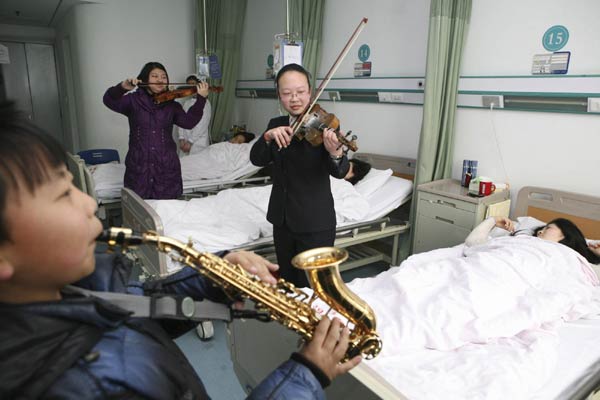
(146, 69)
(26, 154)
(360, 169)
(291, 67)
(192, 77)
(573, 238)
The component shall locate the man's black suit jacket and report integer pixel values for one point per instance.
(301, 197)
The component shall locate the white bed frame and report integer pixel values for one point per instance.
(83, 179)
(257, 348)
(359, 238)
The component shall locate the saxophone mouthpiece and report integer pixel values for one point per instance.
(120, 236)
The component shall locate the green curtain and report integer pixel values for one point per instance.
(448, 26)
(306, 19)
(224, 20)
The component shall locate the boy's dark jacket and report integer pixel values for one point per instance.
(86, 348)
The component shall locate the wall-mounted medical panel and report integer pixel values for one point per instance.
(570, 94)
(404, 90)
(564, 93)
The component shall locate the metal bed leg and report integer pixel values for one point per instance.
(395, 249)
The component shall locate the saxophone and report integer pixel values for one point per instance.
(283, 302)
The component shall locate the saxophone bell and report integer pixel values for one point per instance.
(322, 269)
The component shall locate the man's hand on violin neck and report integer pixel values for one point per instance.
(282, 136)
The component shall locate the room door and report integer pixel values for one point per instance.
(28, 77)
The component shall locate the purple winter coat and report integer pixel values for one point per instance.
(152, 167)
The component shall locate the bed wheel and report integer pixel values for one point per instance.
(205, 330)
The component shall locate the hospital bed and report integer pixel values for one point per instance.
(257, 348)
(220, 228)
(219, 166)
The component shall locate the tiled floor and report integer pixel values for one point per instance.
(212, 361)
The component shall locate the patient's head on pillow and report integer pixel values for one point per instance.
(358, 170)
(242, 137)
(564, 231)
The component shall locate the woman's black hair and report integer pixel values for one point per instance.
(360, 169)
(288, 68)
(248, 136)
(27, 155)
(146, 69)
(573, 238)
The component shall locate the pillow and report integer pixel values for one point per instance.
(372, 181)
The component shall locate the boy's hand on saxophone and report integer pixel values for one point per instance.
(254, 264)
(328, 347)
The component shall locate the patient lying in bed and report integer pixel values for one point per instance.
(494, 302)
(490, 289)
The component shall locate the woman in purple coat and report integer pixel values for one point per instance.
(152, 166)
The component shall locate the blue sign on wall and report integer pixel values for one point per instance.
(364, 52)
(555, 38)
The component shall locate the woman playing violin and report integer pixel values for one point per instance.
(301, 205)
(152, 167)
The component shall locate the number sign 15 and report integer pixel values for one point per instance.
(555, 38)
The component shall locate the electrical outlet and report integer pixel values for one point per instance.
(384, 97)
(488, 101)
(396, 97)
(594, 104)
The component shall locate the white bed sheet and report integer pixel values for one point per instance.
(217, 163)
(237, 217)
(426, 363)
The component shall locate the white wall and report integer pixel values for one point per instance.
(397, 35)
(538, 149)
(111, 41)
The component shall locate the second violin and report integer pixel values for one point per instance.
(182, 91)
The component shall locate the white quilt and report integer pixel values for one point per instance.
(234, 217)
(216, 161)
(479, 324)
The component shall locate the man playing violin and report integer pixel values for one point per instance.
(301, 204)
(152, 167)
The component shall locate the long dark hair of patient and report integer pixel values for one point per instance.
(573, 238)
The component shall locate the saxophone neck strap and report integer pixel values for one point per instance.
(161, 306)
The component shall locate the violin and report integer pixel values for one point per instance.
(315, 121)
(185, 91)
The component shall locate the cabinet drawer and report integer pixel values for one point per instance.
(446, 212)
(433, 233)
(447, 202)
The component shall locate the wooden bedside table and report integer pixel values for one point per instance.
(446, 214)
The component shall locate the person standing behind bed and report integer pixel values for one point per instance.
(301, 204)
(192, 141)
(152, 167)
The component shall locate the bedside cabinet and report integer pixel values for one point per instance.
(446, 214)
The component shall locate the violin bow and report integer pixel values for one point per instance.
(331, 71)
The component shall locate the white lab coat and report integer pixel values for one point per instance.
(198, 135)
